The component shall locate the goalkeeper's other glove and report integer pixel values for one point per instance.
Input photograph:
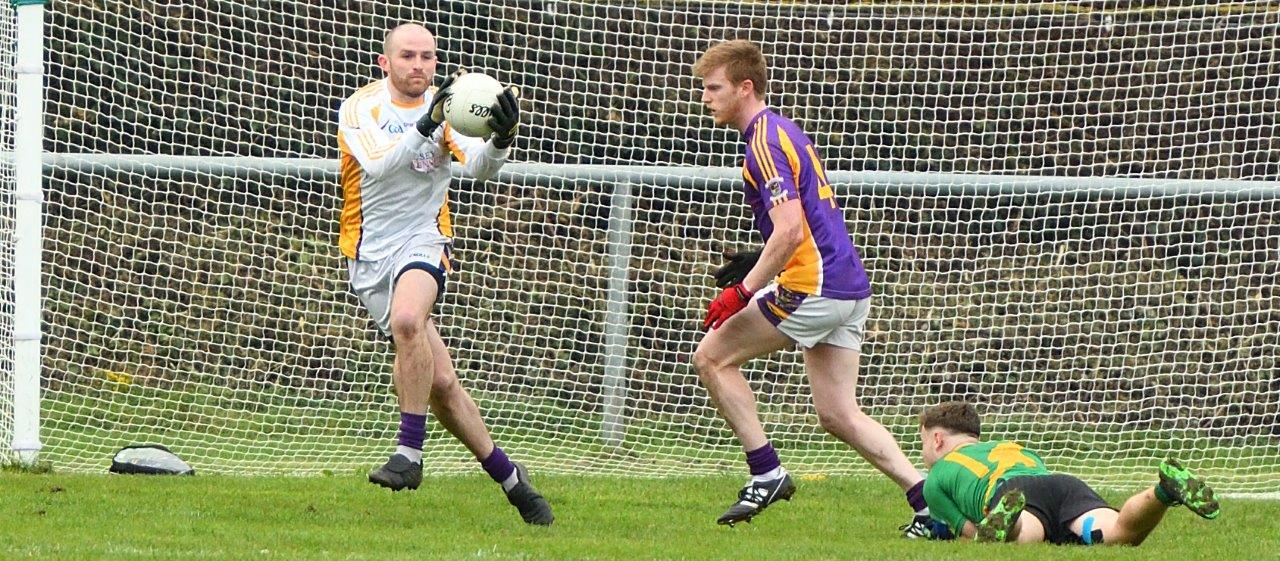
(504, 117)
(735, 271)
(731, 301)
(434, 117)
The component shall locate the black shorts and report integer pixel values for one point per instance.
(1055, 500)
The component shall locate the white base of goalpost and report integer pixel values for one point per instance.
(27, 457)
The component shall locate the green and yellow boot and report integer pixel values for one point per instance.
(1179, 486)
(1000, 520)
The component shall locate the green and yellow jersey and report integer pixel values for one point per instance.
(962, 483)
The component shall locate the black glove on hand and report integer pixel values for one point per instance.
(505, 117)
(434, 117)
(735, 271)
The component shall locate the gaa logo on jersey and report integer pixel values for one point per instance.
(777, 195)
(395, 127)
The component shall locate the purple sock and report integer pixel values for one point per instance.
(915, 497)
(498, 465)
(413, 430)
(763, 460)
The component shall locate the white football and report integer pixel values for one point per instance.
(468, 107)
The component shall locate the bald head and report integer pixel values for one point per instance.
(409, 59)
(409, 32)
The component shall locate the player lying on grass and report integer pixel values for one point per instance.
(999, 491)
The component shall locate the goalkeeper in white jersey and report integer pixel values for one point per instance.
(396, 234)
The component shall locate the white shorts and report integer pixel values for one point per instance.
(374, 281)
(809, 320)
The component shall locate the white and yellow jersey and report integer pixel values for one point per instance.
(395, 182)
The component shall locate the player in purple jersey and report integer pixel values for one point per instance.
(808, 288)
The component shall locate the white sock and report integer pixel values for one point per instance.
(414, 455)
(510, 481)
(769, 475)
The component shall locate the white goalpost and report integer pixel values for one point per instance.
(8, 212)
(20, 334)
(1068, 213)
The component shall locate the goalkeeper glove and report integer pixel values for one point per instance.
(731, 301)
(434, 117)
(504, 117)
(735, 271)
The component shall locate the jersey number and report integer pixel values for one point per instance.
(1005, 456)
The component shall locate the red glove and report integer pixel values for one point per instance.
(729, 302)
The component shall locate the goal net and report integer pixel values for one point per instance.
(1067, 210)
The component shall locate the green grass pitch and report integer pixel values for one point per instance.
(56, 516)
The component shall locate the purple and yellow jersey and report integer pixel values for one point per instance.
(782, 165)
